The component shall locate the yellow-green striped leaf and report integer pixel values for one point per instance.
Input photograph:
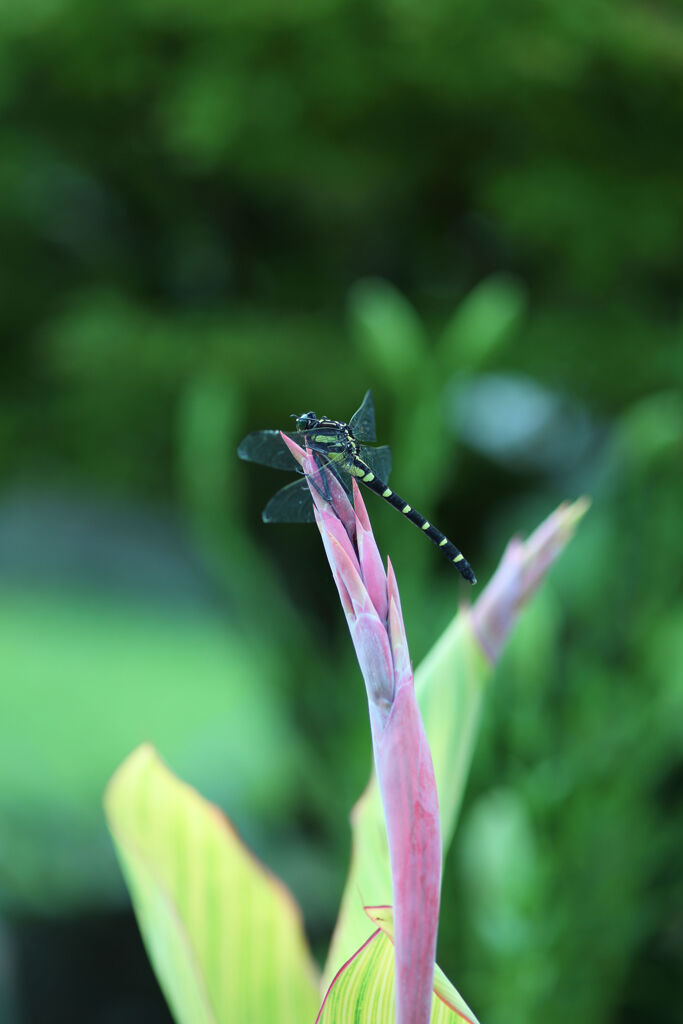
(363, 990)
(225, 937)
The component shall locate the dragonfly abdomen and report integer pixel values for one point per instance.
(445, 546)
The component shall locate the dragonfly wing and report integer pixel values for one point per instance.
(362, 422)
(268, 449)
(379, 461)
(291, 504)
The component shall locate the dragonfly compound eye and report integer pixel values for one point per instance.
(306, 421)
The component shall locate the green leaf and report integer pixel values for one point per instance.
(387, 330)
(110, 671)
(483, 322)
(224, 936)
(206, 443)
(364, 987)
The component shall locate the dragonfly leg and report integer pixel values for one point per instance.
(324, 490)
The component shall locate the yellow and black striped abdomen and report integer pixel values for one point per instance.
(445, 546)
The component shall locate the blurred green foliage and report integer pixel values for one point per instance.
(104, 675)
(214, 215)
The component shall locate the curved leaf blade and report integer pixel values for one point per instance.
(224, 936)
(386, 329)
(363, 989)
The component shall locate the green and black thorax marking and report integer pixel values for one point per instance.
(345, 447)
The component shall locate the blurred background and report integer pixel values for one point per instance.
(213, 215)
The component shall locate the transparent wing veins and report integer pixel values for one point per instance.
(291, 504)
(267, 448)
(379, 461)
(362, 423)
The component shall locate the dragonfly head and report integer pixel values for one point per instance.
(306, 421)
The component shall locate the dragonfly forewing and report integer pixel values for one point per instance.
(267, 448)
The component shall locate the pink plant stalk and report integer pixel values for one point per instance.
(403, 762)
(522, 568)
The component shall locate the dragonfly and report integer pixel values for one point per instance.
(348, 450)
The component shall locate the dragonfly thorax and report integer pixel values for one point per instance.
(333, 437)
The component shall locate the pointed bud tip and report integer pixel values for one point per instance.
(298, 453)
(360, 509)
